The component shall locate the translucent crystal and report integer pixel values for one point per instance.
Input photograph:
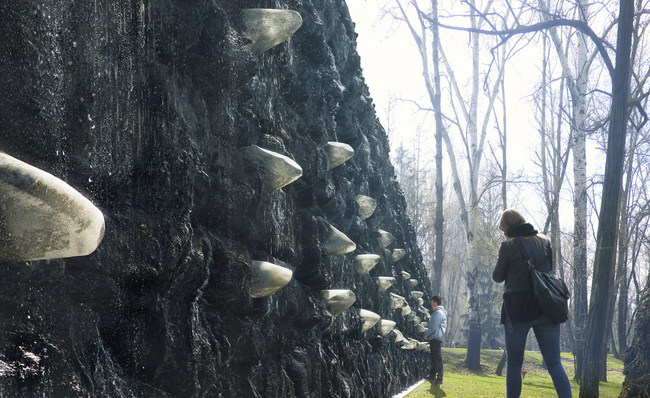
(386, 326)
(369, 319)
(367, 206)
(385, 238)
(338, 153)
(365, 262)
(397, 301)
(42, 217)
(266, 28)
(398, 254)
(338, 243)
(267, 278)
(338, 300)
(407, 312)
(278, 170)
(399, 337)
(385, 282)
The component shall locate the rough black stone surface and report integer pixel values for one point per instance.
(144, 107)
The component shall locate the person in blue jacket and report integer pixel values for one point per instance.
(434, 335)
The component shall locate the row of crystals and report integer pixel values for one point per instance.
(280, 171)
(267, 278)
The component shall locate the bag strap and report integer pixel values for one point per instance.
(524, 253)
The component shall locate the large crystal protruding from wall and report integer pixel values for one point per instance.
(412, 283)
(386, 326)
(369, 319)
(385, 282)
(407, 312)
(365, 262)
(405, 275)
(367, 206)
(42, 217)
(277, 170)
(409, 344)
(416, 294)
(266, 28)
(423, 346)
(385, 238)
(338, 153)
(398, 254)
(338, 300)
(399, 337)
(338, 243)
(397, 301)
(267, 278)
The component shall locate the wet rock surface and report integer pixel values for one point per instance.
(145, 108)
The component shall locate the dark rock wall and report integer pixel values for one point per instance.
(144, 107)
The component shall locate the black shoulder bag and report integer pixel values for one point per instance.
(551, 293)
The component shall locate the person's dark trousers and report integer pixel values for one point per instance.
(436, 360)
(548, 339)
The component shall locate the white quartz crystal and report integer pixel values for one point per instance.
(369, 319)
(42, 217)
(367, 206)
(397, 301)
(338, 153)
(267, 278)
(277, 170)
(338, 243)
(385, 326)
(385, 238)
(385, 282)
(365, 262)
(338, 300)
(398, 254)
(266, 28)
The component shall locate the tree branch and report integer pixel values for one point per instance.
(579, 25)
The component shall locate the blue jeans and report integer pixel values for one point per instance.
(548, 339)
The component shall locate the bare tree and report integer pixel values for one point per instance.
(473, 139)
(437, 108)
(609, 215)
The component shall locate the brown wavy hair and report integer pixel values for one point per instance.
(511, 218)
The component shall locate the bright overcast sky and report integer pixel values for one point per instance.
(392, 67)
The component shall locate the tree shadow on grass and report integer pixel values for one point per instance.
(436, 391)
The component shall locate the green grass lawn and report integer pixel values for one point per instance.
(460, 382)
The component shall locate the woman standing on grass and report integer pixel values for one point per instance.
(519, 311)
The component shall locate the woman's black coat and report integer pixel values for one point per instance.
(518, 301)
